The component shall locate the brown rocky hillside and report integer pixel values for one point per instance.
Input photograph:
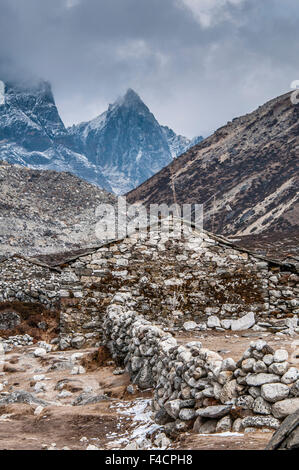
(245, 174)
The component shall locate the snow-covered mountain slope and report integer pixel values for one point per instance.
(118, 150)
(32, 134)
(128, 143)
(179, 144)
(30, 118)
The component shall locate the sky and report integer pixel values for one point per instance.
(196, 63)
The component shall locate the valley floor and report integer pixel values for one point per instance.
(122, 419)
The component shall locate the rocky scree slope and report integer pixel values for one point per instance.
(46, 211)
(245, 174)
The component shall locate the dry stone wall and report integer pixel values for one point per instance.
(199, 281)
(175, 281)
(195, 387)
(24, 281)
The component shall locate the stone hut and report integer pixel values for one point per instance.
(170, 280)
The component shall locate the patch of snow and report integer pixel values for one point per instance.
(140, 413)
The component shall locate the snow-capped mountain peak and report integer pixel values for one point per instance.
(118, 150)
(131, 98)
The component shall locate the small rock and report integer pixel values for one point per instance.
(260, 366)
(132, 446)
(295, 389)
(92, 447)
(40, 387)
(162, 417)
(190, 326)
(209, 427)
(38, 410)
(86, 399)
(132, 389)
(226, 324)
(162, 441)
(244, 323)
(40, 352)
(292, 375)
(183, 426)
(119, 371)
(284, 408)
(261, 406)
(213, 411)
(213, 322)
(229, 392)
(268, 359)
(256, 380)
(228, 364)
(224, 425)
(260, 422)
(254, 392)
(274, 392)
(186, 414)
(64, 394)
(248, 364)
(78, 342)
(260, 344)
(237, 425)
(245, 402)
(78, 370)
(173, 408)
(281, 355)
(279, 368)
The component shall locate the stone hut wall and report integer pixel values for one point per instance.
(29, 301)
(174, 281)
(24, 281)
(196, 388)
(170, 282)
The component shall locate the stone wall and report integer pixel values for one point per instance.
(25, 281)
(174, 281)
(194, 387)
(199, 278)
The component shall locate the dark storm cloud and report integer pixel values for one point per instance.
(196, 63)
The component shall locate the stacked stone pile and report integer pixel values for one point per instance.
(15, 341)
(196, 387)
(135, 342)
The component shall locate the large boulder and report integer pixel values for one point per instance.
(287, 436)
(244, 323)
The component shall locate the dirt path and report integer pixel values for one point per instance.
(119, 418)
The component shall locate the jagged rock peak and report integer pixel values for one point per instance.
(131, 97)
(35, 87)
(130, 100)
